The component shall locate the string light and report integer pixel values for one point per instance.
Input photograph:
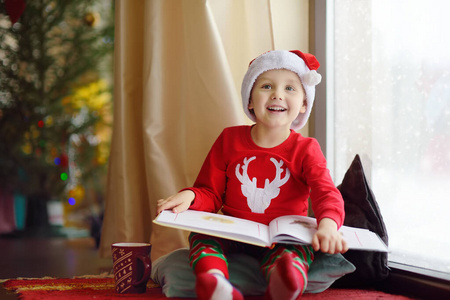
(72, 201)
(64, 176)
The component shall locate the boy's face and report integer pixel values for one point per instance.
(277, 98)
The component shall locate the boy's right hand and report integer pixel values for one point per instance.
(177, 203)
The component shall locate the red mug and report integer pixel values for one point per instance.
(132, 267)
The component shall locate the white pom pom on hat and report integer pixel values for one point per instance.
(304, 64)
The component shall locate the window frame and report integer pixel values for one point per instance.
(321, 44)
(404, 279)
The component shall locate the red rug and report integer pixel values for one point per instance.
(103, 288)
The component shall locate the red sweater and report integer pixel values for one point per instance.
(260, 184)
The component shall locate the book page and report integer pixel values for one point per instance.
(363, 239)
(301, 229)
(217, 225)
(293, 229)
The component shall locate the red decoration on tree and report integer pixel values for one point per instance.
(64, 160)
(15, 9)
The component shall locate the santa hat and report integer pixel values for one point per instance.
(304, 64)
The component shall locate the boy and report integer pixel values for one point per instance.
(261, 172)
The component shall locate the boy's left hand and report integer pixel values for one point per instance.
(328, 239)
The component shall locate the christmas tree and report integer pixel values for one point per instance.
(55, 98)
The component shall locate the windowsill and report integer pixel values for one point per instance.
(417, 282)
(422, 271)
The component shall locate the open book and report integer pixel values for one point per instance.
(285, 229)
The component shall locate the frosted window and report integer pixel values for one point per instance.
(392, 106)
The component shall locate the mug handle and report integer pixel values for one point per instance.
(147, 269)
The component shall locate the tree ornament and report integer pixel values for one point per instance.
(64, 160)
(92, 19)
(15, 9)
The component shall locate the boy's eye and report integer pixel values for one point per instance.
(289, 88)
(267, 86)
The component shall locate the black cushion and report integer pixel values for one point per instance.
(362, 211)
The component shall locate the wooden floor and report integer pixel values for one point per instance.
(55, 257)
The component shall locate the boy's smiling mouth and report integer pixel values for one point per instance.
(276, 108)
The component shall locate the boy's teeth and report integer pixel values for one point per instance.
(277, 108)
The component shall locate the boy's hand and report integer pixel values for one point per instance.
(177, 203)
(328, 239)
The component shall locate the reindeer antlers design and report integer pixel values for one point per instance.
(259, 199)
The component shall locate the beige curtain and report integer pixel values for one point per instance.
(178, 69)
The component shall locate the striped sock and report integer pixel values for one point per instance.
(286, 281)
(215, 287)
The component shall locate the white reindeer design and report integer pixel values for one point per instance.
(259, 199)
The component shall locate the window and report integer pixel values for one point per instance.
(387, 85)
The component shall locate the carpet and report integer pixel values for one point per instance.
(103, 288)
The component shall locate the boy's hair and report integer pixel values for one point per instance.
(304, 64)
